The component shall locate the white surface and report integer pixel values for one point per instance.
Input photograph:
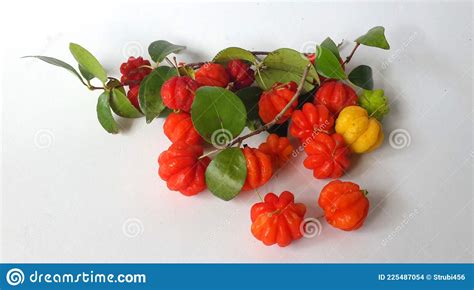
(68, 187)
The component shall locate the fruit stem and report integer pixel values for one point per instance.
(348, 59)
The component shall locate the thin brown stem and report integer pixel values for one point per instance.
(170, 62)
(348, 59)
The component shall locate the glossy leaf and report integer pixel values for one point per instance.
(230, 53)
(59, 63)
(149, 95)
(87, 75)
(226, 173)
(104, 113)
(285, 65)
(122, 106)
(218, 111)
(160, 49)
(328, 65)
(361, 76)
(88, 62)
(332, 46)
(374, 37)
(250, 97)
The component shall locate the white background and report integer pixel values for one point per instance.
(69, 189)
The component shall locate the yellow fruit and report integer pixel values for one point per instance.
(361, 132)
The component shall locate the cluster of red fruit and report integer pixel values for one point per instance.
(276, 219)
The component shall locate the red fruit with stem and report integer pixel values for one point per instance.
(335, 95)
(277, 220)
(278, 148)
(182, 169)
(273, 101)
(240, 74)
(179, 127)
(212, 74)
(259, 168)
(310, 120)
(177, 93)
(328, 156)
(134, 71)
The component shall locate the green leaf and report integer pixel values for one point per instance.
(250, 97)
(285, 65)
(328, 65)
(87, 75)
(230, 53)
(186, 71)
(149, 95)
(59, 63)
(218, 114)
(164, 114)
(332, 46)
(375, 102)
(226, 173)
(159, 49)
(122, 106)
(374, 37)
(104, 114)
(361, 76)
(88, 62)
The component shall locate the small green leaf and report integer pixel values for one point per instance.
(230, 53)
(87, 75)
(285, 65)
(149, 95)
(375, 102)
(104, 114)
(88, 62)
(122, 106)
(332, 46)
(218, 114)
(250, 97)
(226, 173)
(374, 37)
(328, 65)
(159, 49)
(186, 71)
(361, 76)
(59, 63)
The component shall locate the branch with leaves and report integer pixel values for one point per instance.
(216, 108)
